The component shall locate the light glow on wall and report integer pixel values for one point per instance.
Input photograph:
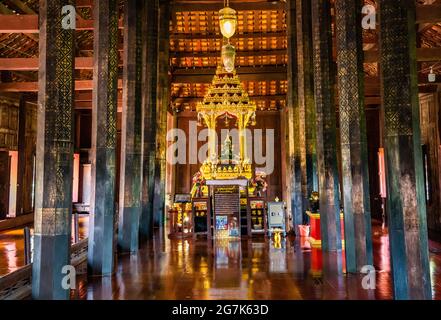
(76, 177)
(13, 157)
(382, 172)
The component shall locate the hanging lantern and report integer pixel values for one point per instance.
(228, 22)
(228, 57)
(432, 76)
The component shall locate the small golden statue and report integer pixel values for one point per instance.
(227, 150)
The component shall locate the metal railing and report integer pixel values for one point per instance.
(17, 285)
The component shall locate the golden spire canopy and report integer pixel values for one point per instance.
(226, 95)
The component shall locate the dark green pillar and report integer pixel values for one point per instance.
(53, 198)
(4, 184)
(131, 129)
(150, 52)
(350, 73)
(306, 100)
(105, 105)
(406, 204)
(326, 126)
(163, 100)
(294, 113)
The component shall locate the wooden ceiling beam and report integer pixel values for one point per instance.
(372, 101)
(182, 78)
(428, 54)
(86, 96)
(269, 97)
(84, 3)
(423, 55)
(430, 13)
(86, 63)
(372, 84)
(23, 7)
(179, 6)
(428, 88)
(87, 105)
(241, 70)
(369, 100)
(6, 11)
(253, 53)
(80, 85)
(201, 78)
(205, 75)
(28, 23)
(194, 6)
(245, 35)
(31, 64)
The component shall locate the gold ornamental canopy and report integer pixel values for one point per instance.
(226, 97)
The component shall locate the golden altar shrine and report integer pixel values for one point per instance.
(227, 100)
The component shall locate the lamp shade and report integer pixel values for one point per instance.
(228, 57)
(228, 22)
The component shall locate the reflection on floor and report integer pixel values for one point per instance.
(247, 269)
(12, 246)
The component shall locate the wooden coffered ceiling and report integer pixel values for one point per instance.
(195, 44)
(261, 46)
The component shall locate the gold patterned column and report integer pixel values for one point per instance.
(150, 74)
(295, 173)
(326, 126)
(162, 109)
(105, 105)
(131, 130)
(406, 203)
(53, 192)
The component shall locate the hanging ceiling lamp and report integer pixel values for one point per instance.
(227, 21)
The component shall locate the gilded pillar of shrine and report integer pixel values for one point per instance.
(105, 105)
(163, 101)
(350, 74)
(54, 158)
(326, 126)
(406, 203)
(131, 129)
(294, 116)
(150, 69)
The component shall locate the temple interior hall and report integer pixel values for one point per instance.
(220, 150)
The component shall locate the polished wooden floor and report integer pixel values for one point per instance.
(12, 245)
(247, 269)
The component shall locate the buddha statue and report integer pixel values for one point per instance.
(227, 150)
